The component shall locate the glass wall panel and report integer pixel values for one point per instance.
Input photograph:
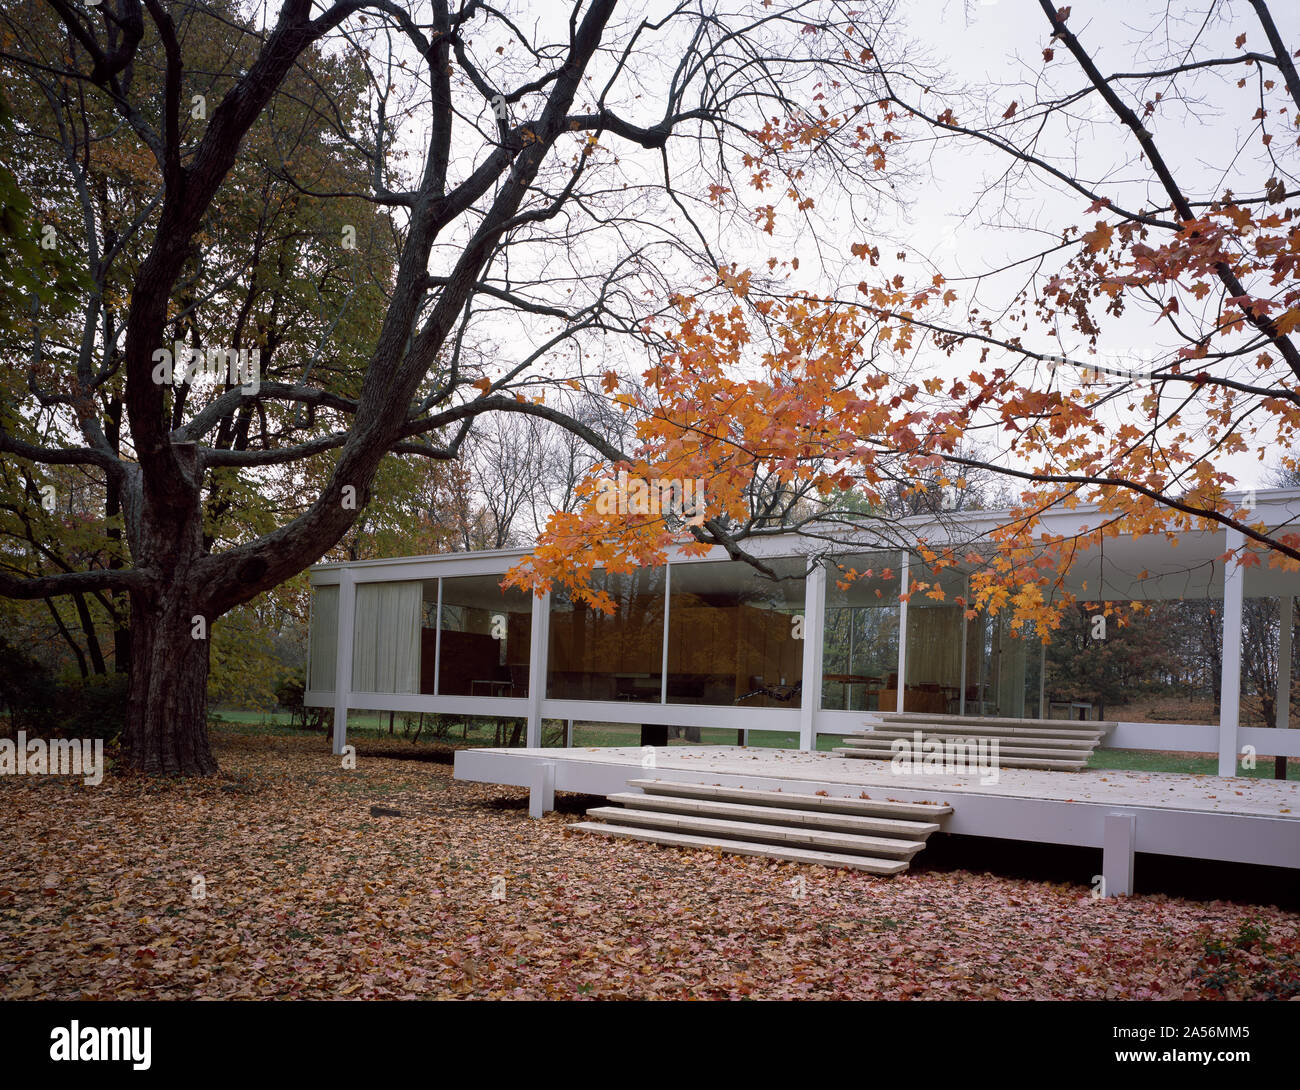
(429, 638)
(323, 639)
(860, 638)
(595, 656)
(733, 636)
(1035, 679)
(936, 626)
(997, 658)
(483, 646)
(1159, 664)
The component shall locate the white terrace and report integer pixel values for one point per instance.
(708, 642)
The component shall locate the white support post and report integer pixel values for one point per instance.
(437, 643)
(541, 792)
(568, 735)
(814, 614)
(343, 656)
(1286, 619)
(663, 651)
(905, 583)
(537, 651)
(1230, 678)
(965, 641)
(1119, 839)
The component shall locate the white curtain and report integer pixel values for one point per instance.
(323, 639)
(386, 638)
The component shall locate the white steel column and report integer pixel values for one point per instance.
(905, 583)
(541, 790)
(537, 653)
(1286, 618)
(814, 614)
(1119, 840)
(343, 656)
(437, 642)
(965, 640)
(1230, 678)
(663, 654)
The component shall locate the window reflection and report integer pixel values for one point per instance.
(595, 656)
(484, 643)
(735, 635)
(860, 638)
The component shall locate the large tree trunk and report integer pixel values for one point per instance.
(167, 698)
(167, 726)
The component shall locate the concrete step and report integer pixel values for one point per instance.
(1003, 762)
(1005, 745)
(741, 847)
(1063, 753)
(915, 811)
(922, 718)
(898, 828)
(891, 730)
(760, 833)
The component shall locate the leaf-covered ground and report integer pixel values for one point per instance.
(304, 893)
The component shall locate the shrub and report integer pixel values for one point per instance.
(36, 702)
(1247, 965)
(92, 707)
(27, 691)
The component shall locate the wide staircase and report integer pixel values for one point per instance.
(1059, 745)
(861, 834)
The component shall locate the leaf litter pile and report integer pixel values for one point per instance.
(276, 880)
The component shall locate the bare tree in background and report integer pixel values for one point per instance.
(547, 176)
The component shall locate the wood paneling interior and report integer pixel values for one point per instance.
(468, 657)
(716, 653)
(914, 700)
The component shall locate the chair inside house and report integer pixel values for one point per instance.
(518, 678)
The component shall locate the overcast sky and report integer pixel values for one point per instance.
(960, 215)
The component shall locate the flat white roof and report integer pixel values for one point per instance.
(1157, 565)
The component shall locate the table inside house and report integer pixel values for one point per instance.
(871, 685)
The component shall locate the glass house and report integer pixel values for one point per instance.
(711, 642)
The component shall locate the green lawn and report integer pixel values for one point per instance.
(364, 724)
(487, 731)
(1142, 760)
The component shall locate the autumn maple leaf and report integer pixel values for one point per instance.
(1099, 237)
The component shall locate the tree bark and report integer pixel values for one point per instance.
(171, 620)
(167, 725)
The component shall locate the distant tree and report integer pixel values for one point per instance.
(1132, 658)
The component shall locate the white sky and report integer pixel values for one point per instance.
(991, 53)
